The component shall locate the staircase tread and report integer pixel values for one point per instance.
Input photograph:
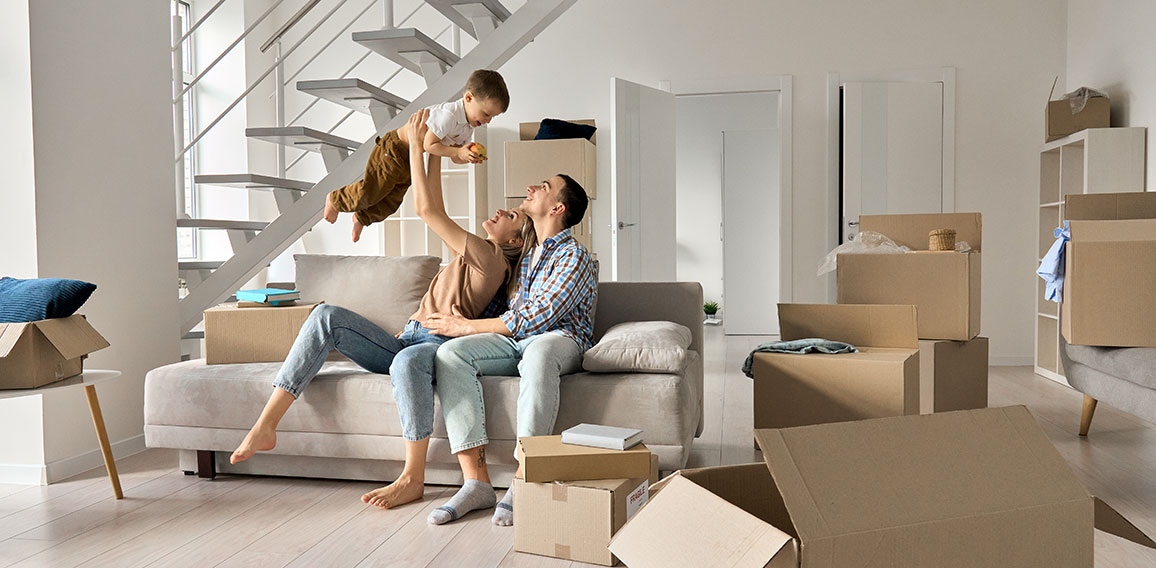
(200, 264)
(352, 93)
(394, 44)
(460, 11)
(222, 224)
(252, 181)
(301, 137)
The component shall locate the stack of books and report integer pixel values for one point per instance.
(267, 297)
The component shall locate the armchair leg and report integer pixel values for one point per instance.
(1086, 418)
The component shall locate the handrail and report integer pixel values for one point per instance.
(196, 25)
(237, 41)
(258, 81)
(289, 24)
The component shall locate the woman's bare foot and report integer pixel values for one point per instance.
(404, 490)
(257, 440)
(330, 211)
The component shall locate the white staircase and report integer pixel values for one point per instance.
(255, 244)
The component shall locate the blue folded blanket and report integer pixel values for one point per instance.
(799, 346)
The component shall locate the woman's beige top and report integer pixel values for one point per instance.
(469, 281)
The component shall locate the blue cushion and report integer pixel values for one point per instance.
(41, 298)
(554, 129)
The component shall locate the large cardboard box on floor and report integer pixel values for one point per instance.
(252, 335)
(952, 375)
(943, 286)
(882, 379)
(1110, 265)
(545, 459)
(37, 353)
(529, 161)
(574, 520)
(953, 490)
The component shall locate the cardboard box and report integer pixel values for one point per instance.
(546, 458)
(882, 379)
(953, 490)
(530, 161)
(952, 375)
(1059, 120)
(943, 286)
(37, 353)
(575, 520)
(252, 335)
(1110, 265)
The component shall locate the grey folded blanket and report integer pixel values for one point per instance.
(799, 346)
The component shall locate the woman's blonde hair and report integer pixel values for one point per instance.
(515, 253)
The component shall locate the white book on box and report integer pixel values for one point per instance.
(598, 436)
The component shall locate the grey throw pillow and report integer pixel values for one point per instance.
(640, 346)
(384, 289)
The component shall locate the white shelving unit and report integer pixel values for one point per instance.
(464, 192)
(1097, 160)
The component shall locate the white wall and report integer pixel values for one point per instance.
(698, 177)
(18, 213)
(104, 207)
(1111, 47)
(1005, 53)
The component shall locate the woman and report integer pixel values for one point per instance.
(481, 268)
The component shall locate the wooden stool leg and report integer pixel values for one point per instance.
(102, 436)
(1086, 418)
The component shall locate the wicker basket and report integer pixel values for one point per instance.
(942, 240)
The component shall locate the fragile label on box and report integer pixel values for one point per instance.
(637, 499)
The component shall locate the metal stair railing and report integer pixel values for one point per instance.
(298, 218)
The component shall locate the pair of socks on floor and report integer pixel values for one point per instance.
(475, 495)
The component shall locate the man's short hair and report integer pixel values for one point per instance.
(573, 196)
(487, 84)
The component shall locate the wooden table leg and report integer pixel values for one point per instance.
(1086, 417)
(102, 436)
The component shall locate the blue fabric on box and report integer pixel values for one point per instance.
(1052, 266)
(37, 299)
(798, 346)
(554, 129)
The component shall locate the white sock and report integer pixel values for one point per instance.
(504, 512)
(473, 495)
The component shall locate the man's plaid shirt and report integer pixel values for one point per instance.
(557, 294)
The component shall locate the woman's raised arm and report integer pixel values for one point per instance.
(427, 188)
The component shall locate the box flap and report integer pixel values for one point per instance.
(1110, 206)
(912, 230)
(687, 525)
(856, 477)
(9, 335)
(1112, 522)
(1113, 231)
(857, 324)
(72, 336)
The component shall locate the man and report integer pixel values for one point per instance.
(542, 336)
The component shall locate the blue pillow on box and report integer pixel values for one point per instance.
(41, 298)
(554, 129)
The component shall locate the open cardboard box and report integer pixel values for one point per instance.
(882, 379)
(37, 353)
(529, 161)
(1060, 121)
(965, 489)
(252, 335)
(943, 286)
(1110, 265)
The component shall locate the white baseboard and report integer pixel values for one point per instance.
(44, 474)
(1011, 361)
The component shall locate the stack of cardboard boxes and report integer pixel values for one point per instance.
(572, 499)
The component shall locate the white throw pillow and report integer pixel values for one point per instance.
(640, 346)
(384, 289)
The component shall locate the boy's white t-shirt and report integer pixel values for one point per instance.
(448, 122)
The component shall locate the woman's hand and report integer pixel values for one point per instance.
(449, 325)
(417, 128)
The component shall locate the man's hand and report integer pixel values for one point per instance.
(466, 156)
(418, 128)
(450, 325)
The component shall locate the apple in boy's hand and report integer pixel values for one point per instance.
(478, 149)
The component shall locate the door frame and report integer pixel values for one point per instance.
(835, 80)
(759, 84)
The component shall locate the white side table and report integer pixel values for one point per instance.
(88, 380)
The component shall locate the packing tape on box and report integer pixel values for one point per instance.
(562, 551)
(560, 492)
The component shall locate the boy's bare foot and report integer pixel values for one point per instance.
(404, 490)
(330, 211)
(357, 227)
(257, 440)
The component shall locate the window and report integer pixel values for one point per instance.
(186, 238)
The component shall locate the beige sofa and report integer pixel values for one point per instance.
(346, 424)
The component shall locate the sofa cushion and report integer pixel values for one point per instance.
(384, 289)
(1133, 364)
(640, 346)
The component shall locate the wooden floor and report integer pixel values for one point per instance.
(170, 520)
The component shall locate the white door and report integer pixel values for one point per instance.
(751, 215)
(892, 150)
(642, 148)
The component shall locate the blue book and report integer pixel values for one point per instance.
(268, 295)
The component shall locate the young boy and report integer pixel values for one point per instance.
(379, 193)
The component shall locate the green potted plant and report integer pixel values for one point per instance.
(710, 309)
